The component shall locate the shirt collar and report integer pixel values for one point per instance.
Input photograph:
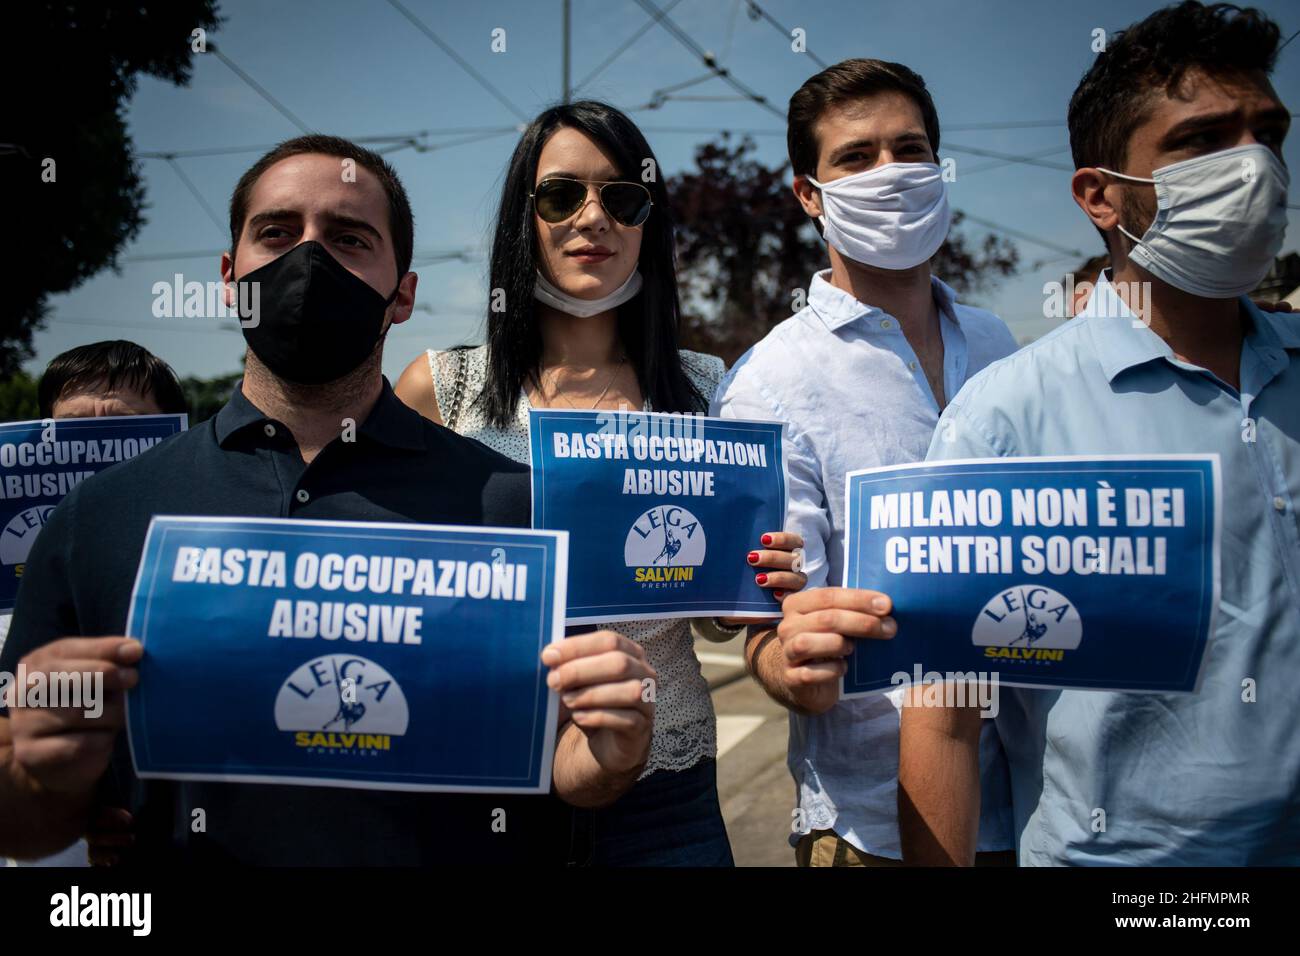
(390, 422)
(1278, 329)
(837, 308)
(1123, 341)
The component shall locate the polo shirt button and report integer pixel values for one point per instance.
(302, 495)
(269, 429)
(1279, 503)
(912, 366)
(886, 324)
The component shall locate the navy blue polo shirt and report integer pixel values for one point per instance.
(400, 467)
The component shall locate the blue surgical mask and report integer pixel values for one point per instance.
(1220, 221)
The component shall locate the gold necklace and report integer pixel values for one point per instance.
(599, 398)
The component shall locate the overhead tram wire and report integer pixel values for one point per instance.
(464, 253)
(460, 61)
(198, 196)
(623, 47)
(258, 88)
(763, 14)
(1003, 163)
(386, 138)
(433, 147)
(706, 58)
(1019, 234)
(1010, 157)
(958, 127)
(377, 138)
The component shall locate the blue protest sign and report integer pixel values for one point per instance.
(41, 461)
(348, 654)
(660, 509)
(1084, 573)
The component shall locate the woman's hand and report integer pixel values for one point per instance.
(778, 565)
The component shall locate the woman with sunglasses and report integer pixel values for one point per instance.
(583, 313)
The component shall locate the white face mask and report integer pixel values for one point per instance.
(548, 292)
(895, 216)
(1220, 221)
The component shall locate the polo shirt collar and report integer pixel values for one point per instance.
(837, 308)
(391, 422)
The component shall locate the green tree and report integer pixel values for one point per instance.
(746, 250)
(73, 195)
(205, 396)
(18, 398)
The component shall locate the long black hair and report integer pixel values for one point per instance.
(647, 324)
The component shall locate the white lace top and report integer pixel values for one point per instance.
(685, 730)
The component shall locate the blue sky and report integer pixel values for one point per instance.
(358, 68)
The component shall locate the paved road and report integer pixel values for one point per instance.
(754, 785)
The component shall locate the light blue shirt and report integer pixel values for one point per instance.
(1182, 779)
(844, 377)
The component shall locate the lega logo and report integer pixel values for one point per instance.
(1028, 622)
(342, 702)
(20, 533)
(665, 536)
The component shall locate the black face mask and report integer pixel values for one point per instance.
(318, 321)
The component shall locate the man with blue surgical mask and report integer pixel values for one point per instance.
(1177, 135)
(861, 375)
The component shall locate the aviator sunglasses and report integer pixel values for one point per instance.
(557, 199)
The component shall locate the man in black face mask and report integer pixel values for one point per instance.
(321, 245)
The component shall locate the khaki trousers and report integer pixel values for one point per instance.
(826, 848)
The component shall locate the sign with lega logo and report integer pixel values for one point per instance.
(41, 461)
(684, 543)
(346, 654)
(1082, 573)
(660, 509)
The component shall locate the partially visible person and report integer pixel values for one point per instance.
(1177, 138)
(861, 375)
(115, 377)
(582, 261)
(1085, 280)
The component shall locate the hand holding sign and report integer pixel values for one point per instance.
(658, 507)
(1084, 573)
(606, 688)
(376, 655)
(819, 630)
(779, 563)
(67, 749)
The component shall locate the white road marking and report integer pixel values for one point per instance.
(733, 728)
(722, 660)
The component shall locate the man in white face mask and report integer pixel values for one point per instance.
(1177, 136)
(861, 375)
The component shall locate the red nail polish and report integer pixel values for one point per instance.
(753, 557)
(767, 540)
(778, 594)
(761, 579)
